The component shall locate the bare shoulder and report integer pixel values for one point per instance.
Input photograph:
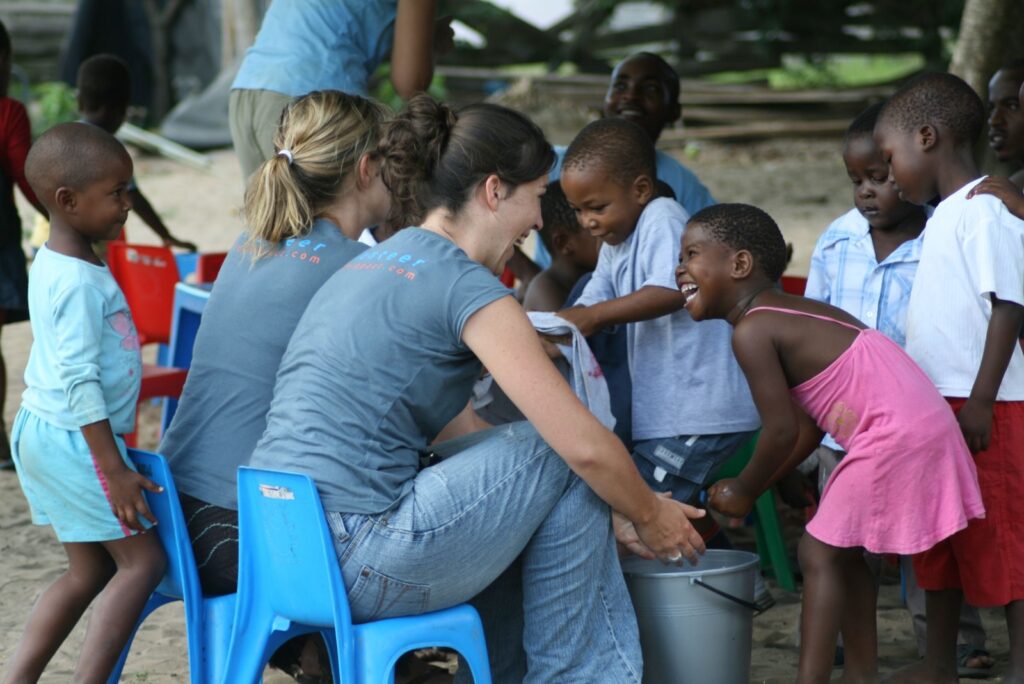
(544, 294)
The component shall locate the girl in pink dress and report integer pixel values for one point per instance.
(907, 481)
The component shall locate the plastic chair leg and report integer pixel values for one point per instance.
(770, 542)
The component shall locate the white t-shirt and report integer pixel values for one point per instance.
(685, 377)
(973, 249)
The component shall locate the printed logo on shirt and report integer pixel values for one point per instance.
(305, 249)
(122, 324)
(401, 264)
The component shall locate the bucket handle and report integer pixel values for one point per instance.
(735, 599)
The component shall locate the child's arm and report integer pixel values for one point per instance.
(643, 305)
(145, 211)
(122, 483)
(1004, 329)
(1005, 190)
(786, 437)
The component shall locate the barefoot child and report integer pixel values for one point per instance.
(691, 405)
(907, 480)
(963, 320)
(82, 381)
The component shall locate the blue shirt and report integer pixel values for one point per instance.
(306, 45)
(689, 191)
(845, 273)
(685, 378)
(376, 369)
(84, 366)
(247, 322)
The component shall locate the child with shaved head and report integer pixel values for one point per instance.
(691, 406)
(82, 382)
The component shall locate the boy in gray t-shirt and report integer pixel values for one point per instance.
(691, 405)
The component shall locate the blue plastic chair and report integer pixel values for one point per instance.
(289, 583)
(207, 620)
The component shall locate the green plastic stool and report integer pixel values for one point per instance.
(771, 547)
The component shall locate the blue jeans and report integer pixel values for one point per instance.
(500, 498)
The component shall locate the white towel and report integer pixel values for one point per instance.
(587, 377)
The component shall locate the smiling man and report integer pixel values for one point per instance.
(1006, 118)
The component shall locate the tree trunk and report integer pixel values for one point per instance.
(981, 45)
(240, 22)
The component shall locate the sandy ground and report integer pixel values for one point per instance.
(801, 183)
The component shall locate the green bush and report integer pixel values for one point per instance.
(52, 103)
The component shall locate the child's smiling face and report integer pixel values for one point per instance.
(703, 274)
(101, 208)
(909, 169)
(875, 197)
(638, 93)
(605, 206)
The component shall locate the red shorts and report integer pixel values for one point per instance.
(986, 560)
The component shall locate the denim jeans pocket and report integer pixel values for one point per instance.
(375, 595)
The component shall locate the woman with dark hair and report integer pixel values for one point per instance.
(378, 377)
(15, 140)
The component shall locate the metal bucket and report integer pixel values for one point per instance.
(696, 622)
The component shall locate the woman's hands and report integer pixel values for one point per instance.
(668, 536)
(731, 497)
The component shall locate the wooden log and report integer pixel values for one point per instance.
(759, 129)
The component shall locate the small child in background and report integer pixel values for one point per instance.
(907, 481)
(82, 381)
(963, 321)
(104, 91)
(864, 264)
(573, 253)
(691, 406)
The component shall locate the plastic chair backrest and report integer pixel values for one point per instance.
(208, 266)
(147, 275)
(286, 556)
(794, 285)
(182, 578)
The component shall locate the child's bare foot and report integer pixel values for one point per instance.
(922, 672)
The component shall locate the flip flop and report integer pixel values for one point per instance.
(966, 653)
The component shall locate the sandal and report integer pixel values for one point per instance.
(965, 654)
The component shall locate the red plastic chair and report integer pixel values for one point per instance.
(794, 285)
(147, 276)
(208, 266)
(157, 381)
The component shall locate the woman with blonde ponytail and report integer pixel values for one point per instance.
(304, 209)
(380, 372)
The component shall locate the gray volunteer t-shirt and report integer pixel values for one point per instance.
(376, 368)
(246, 325)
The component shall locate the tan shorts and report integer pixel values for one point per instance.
(253, 116)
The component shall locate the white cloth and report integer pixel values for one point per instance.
(587, 377)
(973, 249)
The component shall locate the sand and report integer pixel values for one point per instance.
(801, 183)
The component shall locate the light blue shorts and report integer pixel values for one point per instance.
(62, 483)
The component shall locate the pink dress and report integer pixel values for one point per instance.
(907, 481)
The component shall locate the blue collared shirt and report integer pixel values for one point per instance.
(845, 273)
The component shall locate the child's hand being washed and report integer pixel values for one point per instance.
(731, 497)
